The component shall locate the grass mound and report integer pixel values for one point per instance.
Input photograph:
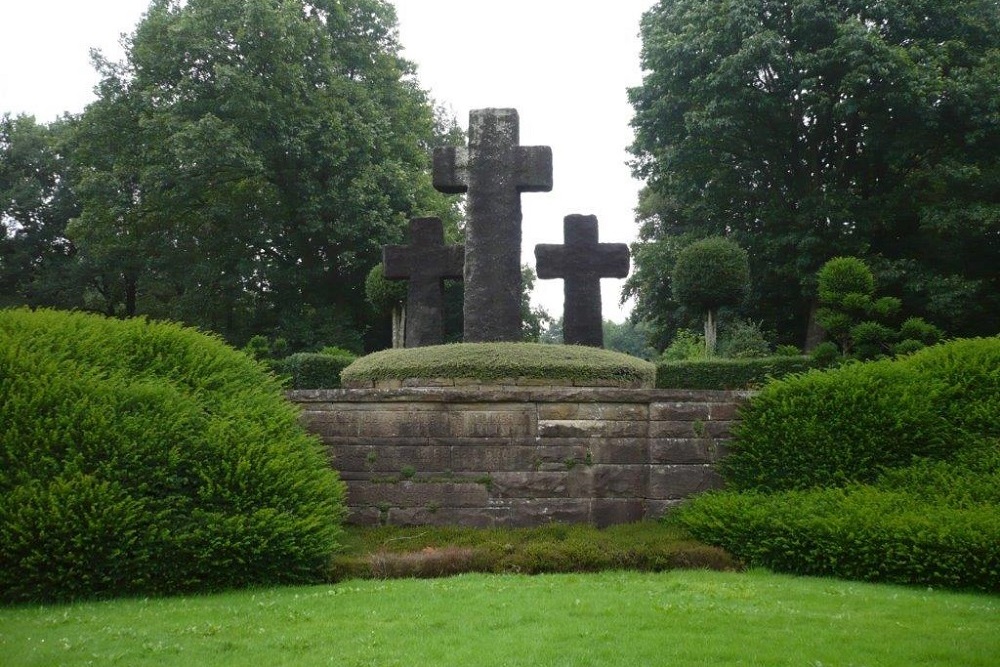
(145, 458)
(496, 362)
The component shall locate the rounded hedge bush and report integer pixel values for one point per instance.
(849, 424)
(883, 471)
(147, 458)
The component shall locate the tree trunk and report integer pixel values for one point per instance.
(814, 332)
(398, 326)
(710, 334)
(131, 291)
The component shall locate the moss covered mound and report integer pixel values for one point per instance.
(502, 364)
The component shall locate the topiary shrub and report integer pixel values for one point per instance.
(709, 274)
(145, 458)
(923, 435)
(830, 428)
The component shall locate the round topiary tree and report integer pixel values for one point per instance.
(862, 325)
(146, 458)
(709, 274)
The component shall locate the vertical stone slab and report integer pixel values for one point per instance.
(425, 263)
(494, 170)
(581, 262)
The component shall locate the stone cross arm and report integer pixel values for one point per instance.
(426, 257)
(425, 263)
(493, 153)
(581, 262)
(581, 257)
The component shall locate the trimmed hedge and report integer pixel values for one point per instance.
(882, 471)
(312, 370)
(851, 423)
(493, 362)
(144, 458)
(857, 532)
(727, 373)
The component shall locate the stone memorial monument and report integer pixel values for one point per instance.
(581, 262)
(494, 170)
(425, 263)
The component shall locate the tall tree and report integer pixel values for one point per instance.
(246, 162)
(36, 203)
(806, 130)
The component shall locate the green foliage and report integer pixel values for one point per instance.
(805, 131)
(858, 532)
(491, 362)
(885, 471)
(849, 424)
(382, 294)
(843, 279)
(744, 340)
(36, 202)
(727, 373)
(686, 345)
(533, 320)
(826, 354)
(628, 337)
(787, 351)
(314, 370)
(711, 273)
(917, 329)
(829, 428)
(859, 322)
(240, 171)
(262, 348)
(140, 458)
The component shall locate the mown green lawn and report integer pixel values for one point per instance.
(687, 618)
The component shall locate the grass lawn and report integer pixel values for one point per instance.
(687, 618)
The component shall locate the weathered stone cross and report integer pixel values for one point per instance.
(581, 263)
(494, 170)
(426, 263)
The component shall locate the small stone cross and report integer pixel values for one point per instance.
(426, 263)
(494, 170)
(581, 262)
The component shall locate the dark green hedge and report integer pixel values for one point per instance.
(143, 458)
(727, 373)
(857, 532)
(883, 471)
(830, 428)
(312, 370)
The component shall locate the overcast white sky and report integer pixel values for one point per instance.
(564, 65)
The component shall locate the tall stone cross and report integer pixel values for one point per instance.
(426, 263)
(494, 170)
(581, 262)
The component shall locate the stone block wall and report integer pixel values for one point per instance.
(519, 456)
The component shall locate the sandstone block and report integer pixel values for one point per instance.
(670, 482)
(611, 511)
(681, 450)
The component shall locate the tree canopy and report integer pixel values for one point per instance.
(805, 130)
(244, 165)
